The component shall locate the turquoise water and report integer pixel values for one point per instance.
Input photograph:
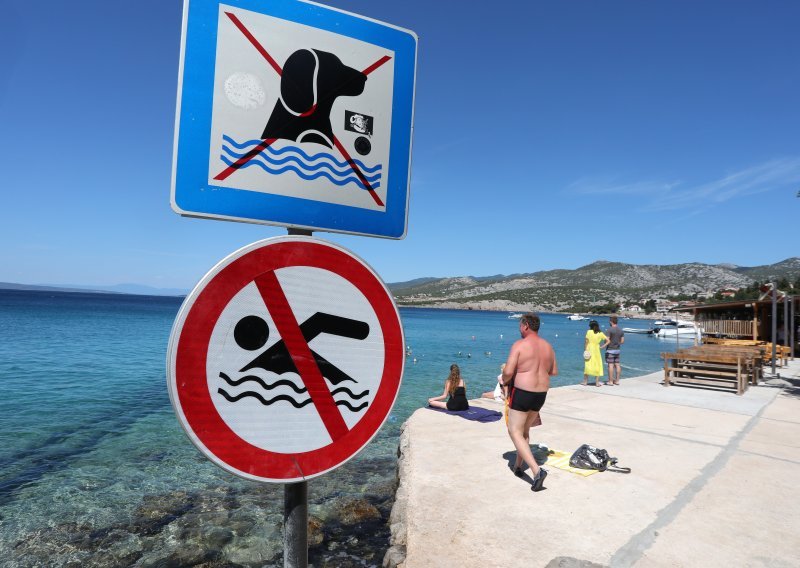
(96, 471)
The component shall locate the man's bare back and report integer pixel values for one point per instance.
(531, 362)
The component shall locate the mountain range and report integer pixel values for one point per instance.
(599, 283)
(595, 284)
(137, 289)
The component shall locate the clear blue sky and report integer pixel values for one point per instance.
(548, 135)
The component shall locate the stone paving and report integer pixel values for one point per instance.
(714, 482)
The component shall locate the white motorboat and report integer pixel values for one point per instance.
(577, 317)
(679, 328)
(514, 316)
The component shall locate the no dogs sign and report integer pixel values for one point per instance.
(295, 114)
(286, 359)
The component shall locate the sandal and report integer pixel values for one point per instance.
(538, 481)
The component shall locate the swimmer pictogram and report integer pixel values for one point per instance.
(285, 359)
(252, 332)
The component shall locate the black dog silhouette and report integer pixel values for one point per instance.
(310, 83)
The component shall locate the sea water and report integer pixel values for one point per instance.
(95, 469)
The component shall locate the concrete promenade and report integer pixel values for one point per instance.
(715, 482)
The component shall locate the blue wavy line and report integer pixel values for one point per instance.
(250, 144)
(304, 166)
(300, 173)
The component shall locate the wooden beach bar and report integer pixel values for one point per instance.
(737, 342)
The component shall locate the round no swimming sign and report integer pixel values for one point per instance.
(286, 359)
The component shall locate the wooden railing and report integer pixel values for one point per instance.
(734, 328)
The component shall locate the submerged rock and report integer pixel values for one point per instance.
(353, 511)
(315, 533)
(157, 511)
(254, 550)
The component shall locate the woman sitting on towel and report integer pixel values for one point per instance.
(456, 389)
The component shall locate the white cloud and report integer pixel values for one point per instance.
(668, 196)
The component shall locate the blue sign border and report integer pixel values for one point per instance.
(191, 193)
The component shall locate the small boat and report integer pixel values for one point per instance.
(514, 316)
(576, 317)
(638, 330)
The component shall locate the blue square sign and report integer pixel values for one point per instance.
(295, 114)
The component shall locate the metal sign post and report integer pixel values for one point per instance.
(293, 114)
(792, 327)
(295, 507)
(295, 525)
(283, 363)
(786, 320)
(774, 325)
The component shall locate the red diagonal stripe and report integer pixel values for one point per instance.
(238, 23)
(375, 65)
(244, 159)
(300, 352)
(355, 168)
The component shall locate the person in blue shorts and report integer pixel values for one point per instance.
(616, 337)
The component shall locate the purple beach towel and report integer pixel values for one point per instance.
(473, 413)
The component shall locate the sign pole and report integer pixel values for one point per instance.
(295, 506)
(295, 525)
(792, 327)
(774, 325)
(786, 320)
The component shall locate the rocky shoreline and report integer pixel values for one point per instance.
(396, 554)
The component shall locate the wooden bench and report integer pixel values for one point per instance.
(782, 352)
(713, 368)
(752, 356)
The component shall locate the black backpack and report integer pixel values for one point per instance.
(589, 457)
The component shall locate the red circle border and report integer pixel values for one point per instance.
(191, 384)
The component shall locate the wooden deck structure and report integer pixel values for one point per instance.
(751, 319)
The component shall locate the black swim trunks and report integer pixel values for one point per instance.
(526, 401)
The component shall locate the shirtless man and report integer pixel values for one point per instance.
(531, 363)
